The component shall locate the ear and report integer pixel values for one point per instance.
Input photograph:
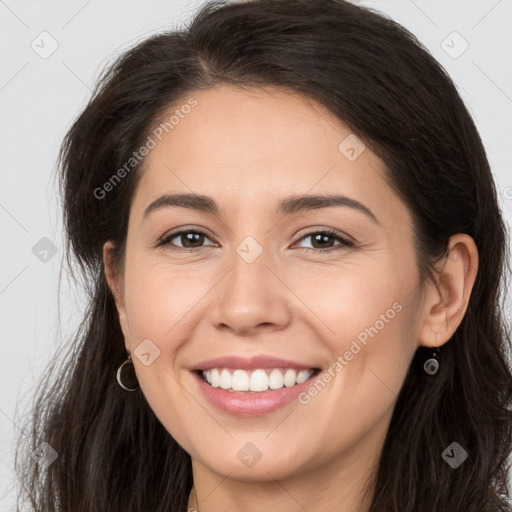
(445, 304)
(115, 284)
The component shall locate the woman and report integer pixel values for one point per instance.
(295, 252)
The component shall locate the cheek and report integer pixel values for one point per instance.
(160, 300)
(368, 320)
(160, 306)
(358, 303)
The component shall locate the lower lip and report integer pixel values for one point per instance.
(239, 403)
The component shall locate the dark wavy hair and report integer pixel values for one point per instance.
(113, 453)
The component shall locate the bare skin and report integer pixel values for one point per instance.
(248, 150)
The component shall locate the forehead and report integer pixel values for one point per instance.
(253, 146)
(252, 128)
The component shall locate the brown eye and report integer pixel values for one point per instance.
(189, 239)
(325, 240)
(322, 240)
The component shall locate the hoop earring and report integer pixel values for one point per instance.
(432, 365)
(129, 373)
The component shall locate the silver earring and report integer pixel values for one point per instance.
(431, 365)
(127, 372)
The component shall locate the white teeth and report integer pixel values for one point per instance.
(303, 376)
(258, 381)
(225, 379)
(289, 378)
(215, 378)
(240, 381)
(255, 380)
(275, 379)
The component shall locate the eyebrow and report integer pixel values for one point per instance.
(287, 206)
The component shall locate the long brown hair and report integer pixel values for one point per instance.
(113, 454)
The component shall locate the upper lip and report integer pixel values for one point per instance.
(249, 363)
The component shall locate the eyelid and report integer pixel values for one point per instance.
(166, 237)
(345, 241)
(330, 231)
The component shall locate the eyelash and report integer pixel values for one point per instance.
(344, 242)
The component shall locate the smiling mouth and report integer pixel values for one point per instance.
(257, 380)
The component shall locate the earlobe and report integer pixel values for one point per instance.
(446, 303)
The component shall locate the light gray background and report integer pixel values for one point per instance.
(39, 98)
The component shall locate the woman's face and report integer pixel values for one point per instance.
(255, 283)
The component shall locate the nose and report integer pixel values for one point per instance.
(251, 299)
